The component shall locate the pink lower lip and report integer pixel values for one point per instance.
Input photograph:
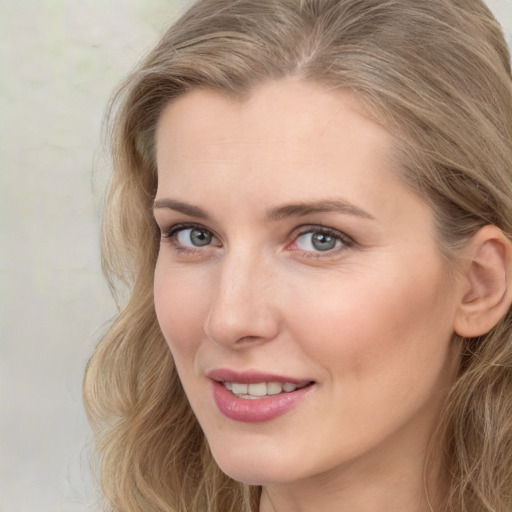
(255, 411)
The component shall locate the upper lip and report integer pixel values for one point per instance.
(251, 377)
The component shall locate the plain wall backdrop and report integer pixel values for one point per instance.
(59, 62)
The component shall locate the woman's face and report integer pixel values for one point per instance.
(298, 285)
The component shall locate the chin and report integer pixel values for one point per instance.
(253, 475)
(256, 467)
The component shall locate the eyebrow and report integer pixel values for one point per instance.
(307, 208)
(180, 206)
(277, 213)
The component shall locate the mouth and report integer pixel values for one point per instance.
(259, 390)
(255, 397)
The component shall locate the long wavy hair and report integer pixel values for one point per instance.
(437, 74)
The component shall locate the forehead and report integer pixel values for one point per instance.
(286, 120)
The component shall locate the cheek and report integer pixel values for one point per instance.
(389, 324)
(181, 304)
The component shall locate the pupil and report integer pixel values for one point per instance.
(200, 237)
(323, 242)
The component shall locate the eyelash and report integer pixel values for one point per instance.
(175, 230)
(346, 241)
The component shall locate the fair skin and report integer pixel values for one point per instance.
(349, 296)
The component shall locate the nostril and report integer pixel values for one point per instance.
(241, 326)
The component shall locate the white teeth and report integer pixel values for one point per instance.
(239, 389)
(260, 389)
(274, 388)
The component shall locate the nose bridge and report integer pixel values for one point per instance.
(242, 308)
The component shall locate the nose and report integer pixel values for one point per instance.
(243, 310)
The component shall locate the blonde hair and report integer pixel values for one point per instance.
(437, 73)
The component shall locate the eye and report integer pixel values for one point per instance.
(194, 237)
(321, 240)
(186, 237)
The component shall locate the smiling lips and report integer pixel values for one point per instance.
(255, 397)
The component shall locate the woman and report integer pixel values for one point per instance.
(311, 208)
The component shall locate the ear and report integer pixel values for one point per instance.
(487, 291)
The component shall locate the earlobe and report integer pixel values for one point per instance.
(487, 277)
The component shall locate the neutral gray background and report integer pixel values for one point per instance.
(59, 61)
